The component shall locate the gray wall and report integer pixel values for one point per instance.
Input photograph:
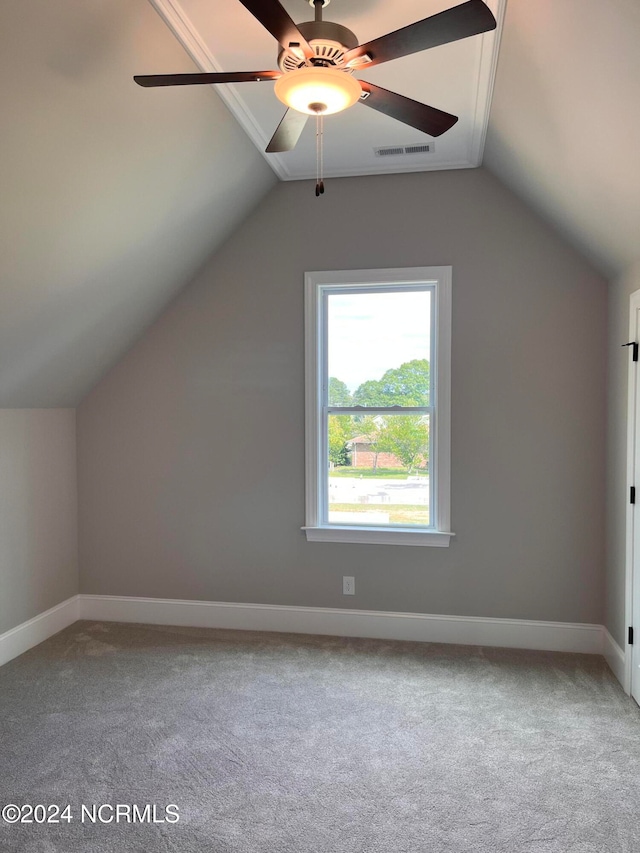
(191, 452)
(619, 292)
(38, 512)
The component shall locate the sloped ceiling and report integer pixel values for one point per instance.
(564, 131)
(111, 200)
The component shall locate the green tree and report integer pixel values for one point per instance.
(407, 385)
(369, 394)
(407, 437)
(340, 427)
(371, 428)
(340, 430)
(338, 393)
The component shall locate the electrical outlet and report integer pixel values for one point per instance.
(348, 586)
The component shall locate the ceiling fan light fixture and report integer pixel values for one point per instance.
(318, 90)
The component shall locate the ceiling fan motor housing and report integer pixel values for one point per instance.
(330, 42)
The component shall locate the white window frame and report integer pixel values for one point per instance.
(317, 284)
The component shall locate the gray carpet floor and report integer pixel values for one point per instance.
(274, 743)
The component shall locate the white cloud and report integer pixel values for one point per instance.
(372, 332)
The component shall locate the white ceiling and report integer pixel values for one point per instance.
(457, 78)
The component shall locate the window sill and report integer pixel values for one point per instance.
(379, 536)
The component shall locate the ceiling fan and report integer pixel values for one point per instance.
(316, 60)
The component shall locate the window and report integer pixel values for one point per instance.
(378, 353)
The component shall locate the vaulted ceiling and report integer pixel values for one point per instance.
(564, 131)
(112, 200)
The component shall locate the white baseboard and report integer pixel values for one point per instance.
(24, 637)
(614, 656)
(465, 630)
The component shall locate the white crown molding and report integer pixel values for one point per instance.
(463, 630)
(24, 637)
(490, 50)
(383, 170)
(185, 31)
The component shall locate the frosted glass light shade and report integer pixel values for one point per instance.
(318, 90)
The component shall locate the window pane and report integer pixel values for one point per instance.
(378, 470)
(379, 348)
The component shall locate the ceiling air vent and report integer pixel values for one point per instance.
(423, 148)
(388, 152)
(404, 150)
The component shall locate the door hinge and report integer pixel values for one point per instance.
(630, 636)
(632, 495)
(635, 349)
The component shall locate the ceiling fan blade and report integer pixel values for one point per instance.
(152, 80)
(427, 119)
(276, 20)
(460, 22)
(288, 132)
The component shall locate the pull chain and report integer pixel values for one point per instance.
(319, 154)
